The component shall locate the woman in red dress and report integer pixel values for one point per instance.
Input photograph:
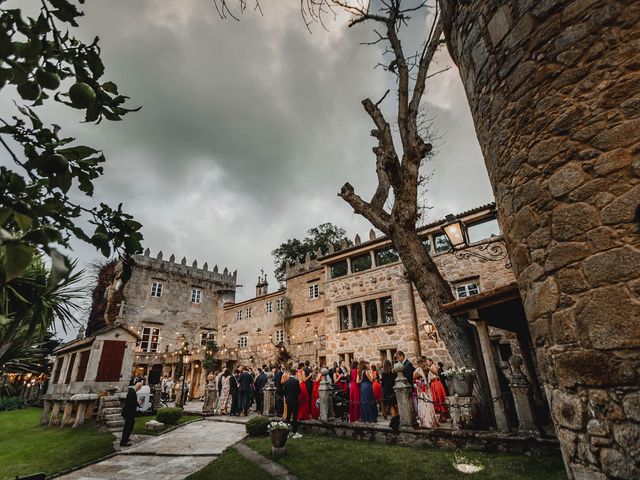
(377, 385)
(315, 395)
(354, 393)
(341, 377)
(438, 394)
(303, 397)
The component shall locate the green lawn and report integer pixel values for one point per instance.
(27, 448)
(230, 465)
(320, 457)
(140, 421)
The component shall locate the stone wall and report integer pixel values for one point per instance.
(554, 90)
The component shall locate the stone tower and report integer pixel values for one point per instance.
(554, 90)
(262, 287)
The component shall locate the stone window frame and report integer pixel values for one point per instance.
(239, 315)
(249, 312)
(314, 291)
(152, 331)
(243, 341)
(279, 336)
(279, 304)
(465, 285)
(205, 337)
(196, 295)
(378, 298)
(268, 307)
(156, 289)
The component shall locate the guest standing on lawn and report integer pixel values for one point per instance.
(315, 394)
(224, 400)
(425, 412)
(129, 413)
(291, 389)
(437, 391)
(233, 388)
(389, 401)
(377, 386)
(369, 408)
(277, 381)
(303, 401)
(354, 393)
(245, 387)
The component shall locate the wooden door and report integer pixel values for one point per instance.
(111, 361)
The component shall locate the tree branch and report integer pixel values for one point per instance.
(378, 217)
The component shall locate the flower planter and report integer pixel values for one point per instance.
(462, 385)
(279, 438)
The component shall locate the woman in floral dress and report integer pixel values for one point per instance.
(425, 412)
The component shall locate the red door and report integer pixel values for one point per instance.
(111, 361)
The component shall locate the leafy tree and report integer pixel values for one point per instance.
(30, 305)
(210, 363)
(318, 238)
(40, 57)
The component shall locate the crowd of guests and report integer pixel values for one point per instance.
(366, 390)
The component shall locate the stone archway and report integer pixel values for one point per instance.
(554, 90)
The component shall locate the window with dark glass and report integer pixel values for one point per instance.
(361, 262)
(150, 339)
(339, 269)
(441, 243)
(343, 314)
(386, 308)
(371, 313)
(426, 243)
(356, 315)
(386, 256)
(483, 230)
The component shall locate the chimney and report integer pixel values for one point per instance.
(262, 287)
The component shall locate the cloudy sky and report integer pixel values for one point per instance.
(249, 129)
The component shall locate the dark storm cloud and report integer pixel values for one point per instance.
(249, 129)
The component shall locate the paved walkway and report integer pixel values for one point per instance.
(172, 456)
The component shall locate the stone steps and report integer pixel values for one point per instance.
(113, 417)
(111, 410)
(115, 423)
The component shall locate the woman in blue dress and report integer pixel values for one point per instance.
(369, 411)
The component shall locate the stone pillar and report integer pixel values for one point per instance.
(179, 392)
(403, 390)
(81, 413)
(156, 396)
(209, 395)
(464, 412)
(364, 314)
(66, 415)
(55, 411)
(549, 85)
(521, 392)
(325, 396)
(46, 412)
(492, 375)
(379, 310)
(269, 392)
(349, 316)
(389, 357)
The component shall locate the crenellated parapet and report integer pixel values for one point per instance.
(203, 273)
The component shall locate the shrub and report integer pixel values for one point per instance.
(12, 403)
(257, 426)
(169, 416)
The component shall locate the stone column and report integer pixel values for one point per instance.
(269, 392)
(179, 392)
(46, 412)
(492, 375)
(403, 390)
(379, 310)
(66, 415)
(81, 413)
(325, 396)
(389, 357)
(364, 314)
(349, 316)
(521, 392)
(55, 411)
(549, 86)
(156, 396)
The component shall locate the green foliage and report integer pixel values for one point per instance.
(210, 363)
(41, 58)
(257, 426)
(169, 415)
(12, 403)
(318, 238)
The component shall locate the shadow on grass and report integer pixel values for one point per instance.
(231, 466)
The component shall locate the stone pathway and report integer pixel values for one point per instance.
(172, 456)
(275, 469)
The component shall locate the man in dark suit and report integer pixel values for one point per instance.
(245, 387)
(408, 366)
(233, 389)
(129, 413)
(261, 381)
(277, 381)
(291, 390)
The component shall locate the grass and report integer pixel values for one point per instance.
(320, 457)
(230, 465)
(26, 447)
(139, 429)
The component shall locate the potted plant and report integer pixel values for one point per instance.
(461, 380)
(279, 432)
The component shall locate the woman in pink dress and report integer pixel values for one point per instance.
(303, 397)
(354, 393)
(315, 395)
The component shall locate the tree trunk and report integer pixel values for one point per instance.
(434, 291)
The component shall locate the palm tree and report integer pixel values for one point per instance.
(30, 305)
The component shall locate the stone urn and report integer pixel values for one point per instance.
(462, 385)
(279, 438)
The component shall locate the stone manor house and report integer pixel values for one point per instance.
(353, 303)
